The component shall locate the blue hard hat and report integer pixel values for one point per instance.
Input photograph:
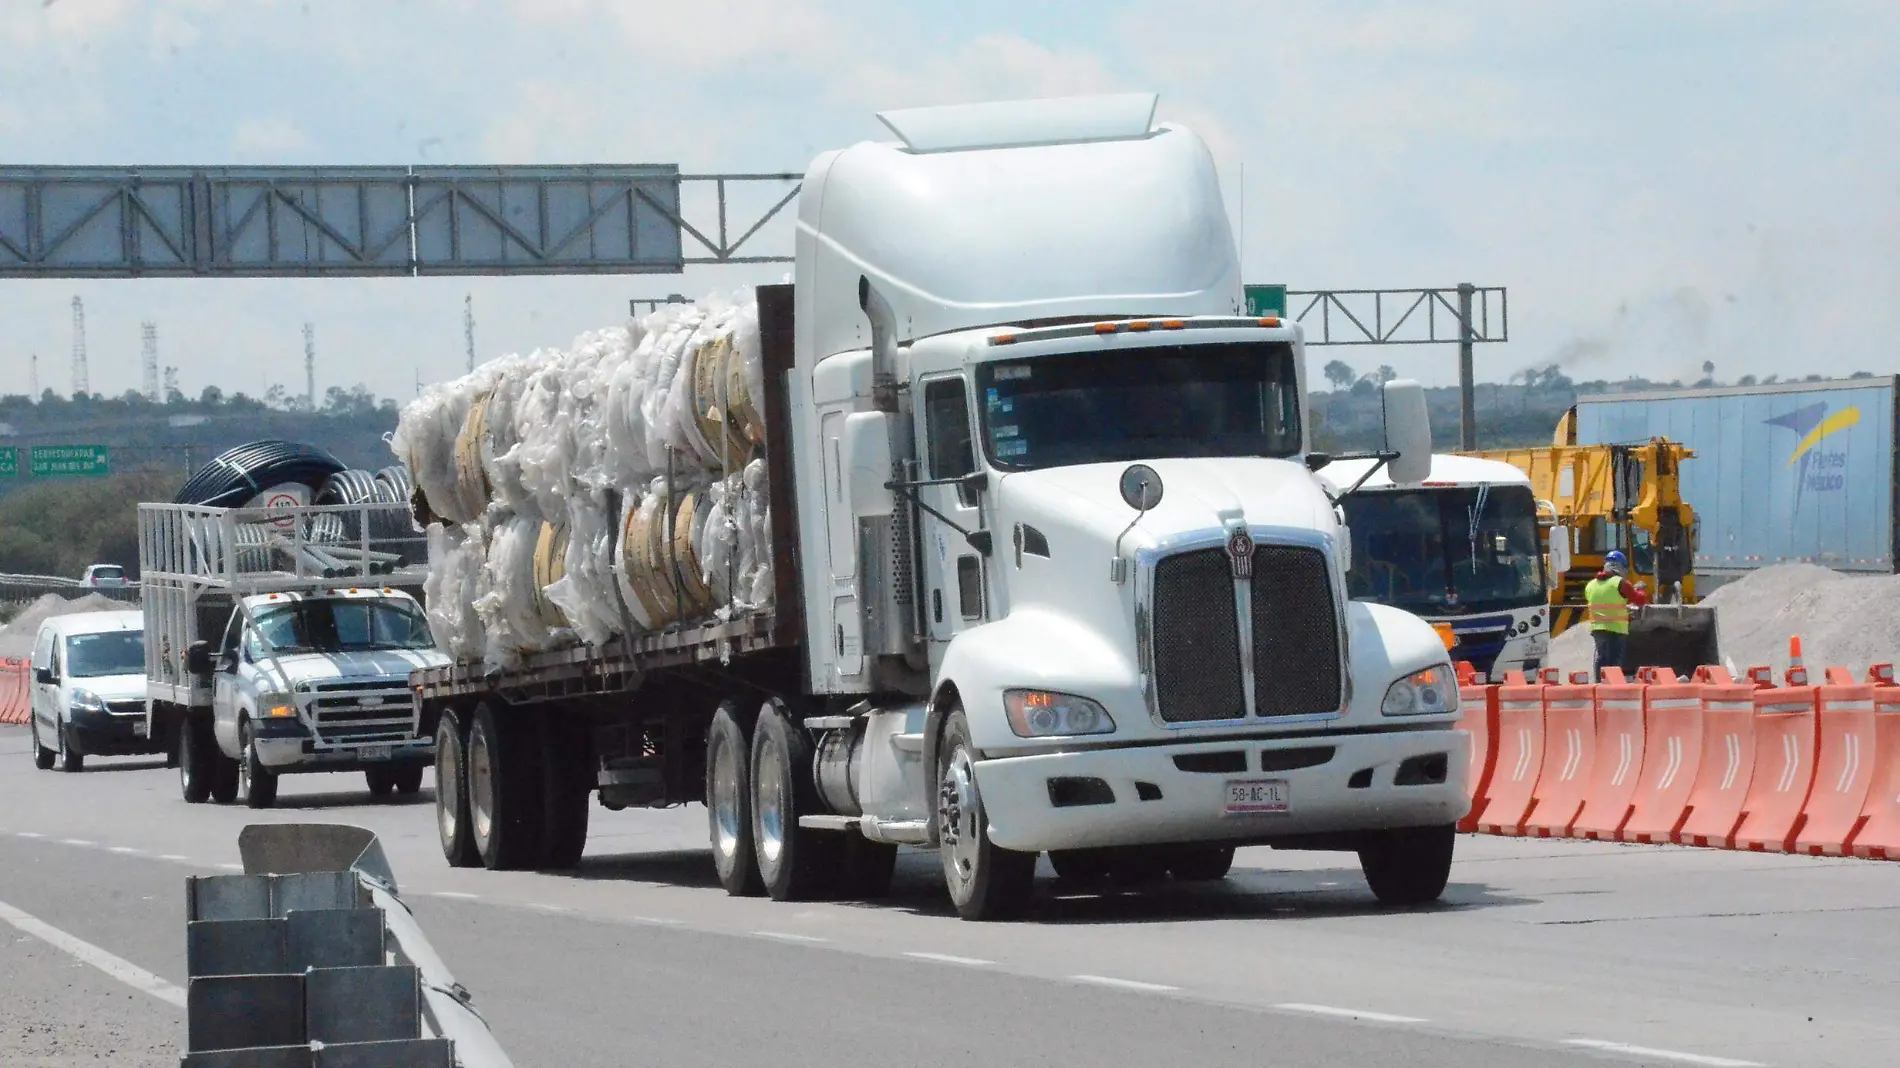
(1615, 557)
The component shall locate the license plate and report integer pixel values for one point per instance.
(138, 728)
(1251, 796)
(375, 752)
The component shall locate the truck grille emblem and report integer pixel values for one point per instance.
(1240, 554)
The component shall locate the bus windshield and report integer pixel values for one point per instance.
(1446, 551)
(335, 625)
(1161, 402)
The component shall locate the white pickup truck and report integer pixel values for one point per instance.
(285, 645)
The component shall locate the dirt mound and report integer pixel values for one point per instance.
(16, 638)
(1848, 621)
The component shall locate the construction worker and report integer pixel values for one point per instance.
(1610, 596)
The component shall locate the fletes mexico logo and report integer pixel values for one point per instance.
(1822, 470)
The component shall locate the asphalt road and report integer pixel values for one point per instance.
(1545, 953)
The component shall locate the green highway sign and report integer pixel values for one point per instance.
(1266, 300)
(9, 463)
(66, 461)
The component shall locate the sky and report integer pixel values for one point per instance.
(1655, 184)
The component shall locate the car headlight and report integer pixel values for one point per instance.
(1042, 714)
(1432, 692)
(87, 701)
(276, 706)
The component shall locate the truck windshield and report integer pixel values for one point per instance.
(1446, 551)
(113, 652)
(1238, 399)
(340, 626)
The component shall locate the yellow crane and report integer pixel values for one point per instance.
(1595, 498)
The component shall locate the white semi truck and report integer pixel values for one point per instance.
(1054, 573)
(1459, 548)
(281, 639)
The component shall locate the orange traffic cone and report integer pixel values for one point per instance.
(1797, 671)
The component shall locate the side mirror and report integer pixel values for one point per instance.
(1315, 461)
(228, 661)
(1408, 430)
(866, 463)
(44, 676)
(198, 658)
(1557, 552)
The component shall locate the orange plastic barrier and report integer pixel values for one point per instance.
(1785, 733)
(1727, 763)
(1478, 714)
(1879, 834)
(16, 694)
(1619, 758)
(1519, 756)
(1843, 767)
(1570, 742)
(1672, 755)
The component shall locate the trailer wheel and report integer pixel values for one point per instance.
(986, 881)
(504, 789)
(795, 863)
(1409, 865)
(195, 749)
(451, 792)
(567, 761)
(729, 800)
(257, 784)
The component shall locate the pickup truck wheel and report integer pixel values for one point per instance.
(986, 881)
(1409, 865)
(408, 781)
(567, 763)
(42, 757)
(1202, 864)
(451, 792)
(380, 782)
(795, 863)
(257, 784)
(729, 800)
(224, 775)
(195, 749)
(504, 788)
(70, 760)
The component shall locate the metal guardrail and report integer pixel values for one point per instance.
(309, 960)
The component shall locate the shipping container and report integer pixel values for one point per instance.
(1793, 472)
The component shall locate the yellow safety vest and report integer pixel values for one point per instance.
(1608, 610)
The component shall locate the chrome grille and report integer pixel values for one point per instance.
(1295, 633)
(355, 712)
(1196, 639)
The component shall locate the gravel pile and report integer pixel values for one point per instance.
(1849, 621)
(16, 638)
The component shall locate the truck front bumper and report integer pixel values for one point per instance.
(1177, 794)
(287, 747)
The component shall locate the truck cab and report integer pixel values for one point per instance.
(319, 681)
(1460, 549)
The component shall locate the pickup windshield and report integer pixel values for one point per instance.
(1446, 551)
(113, 652)
(342, 626)
(1167, 401)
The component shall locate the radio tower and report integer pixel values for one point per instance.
(149, 332)
(33, 383)
(310, 365)
(468, 326)
(82, 382)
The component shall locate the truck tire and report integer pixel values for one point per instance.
(451, 792)
(504, 788)
(986, 881)
(729, 800)
(224, 775)
(567, 762)
(380, 782)
(1202, 864)
(406, 781)
(195, 750)
(1408, 865)
(42, 757)
(795, 863)
(257, 784)
(71, 760)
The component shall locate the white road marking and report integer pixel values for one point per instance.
(29, 834)
(661, 920)
(1124, 984)
(76, 841)
(1349, 1014)
(454, 894)
(173, 857)
(790, 937)
(126, 851)
(1661, 1054)
(546, 907)
(123, 970)
(232, 867)
(946, 958)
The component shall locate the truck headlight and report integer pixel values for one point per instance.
(86, 701)
(276, 706)
(1043, 714)
(1432, 692)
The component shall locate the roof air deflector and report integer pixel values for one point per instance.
(1020, 123)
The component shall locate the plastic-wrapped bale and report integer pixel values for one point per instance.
(545, 441)
(735, 543)
(657, 562)
(550, 567)
(455, 567)
(507, 599)
(588, 592)
(598, 356)
(426, 440)
(499, 445)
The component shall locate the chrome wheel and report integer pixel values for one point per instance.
(768, 795)
(448, 773)
(957, 813)
(728, 809)
(481, 785)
